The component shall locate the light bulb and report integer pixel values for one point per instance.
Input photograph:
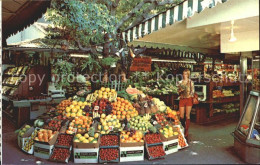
(232, 35)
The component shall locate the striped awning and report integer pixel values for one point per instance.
(179, 12)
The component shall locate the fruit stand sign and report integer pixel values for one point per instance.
(96, 108)
(141, 64)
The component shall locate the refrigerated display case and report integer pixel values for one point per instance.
(246, 134)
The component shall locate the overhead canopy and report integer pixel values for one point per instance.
(201, 26)
(18, 14)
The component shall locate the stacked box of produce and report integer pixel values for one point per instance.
(169, 136)
(131, 146)
(25, 138)
(154, 146)
(44, 143)
(60, 154)
(181, 139)
(109, 148)
(86, 147)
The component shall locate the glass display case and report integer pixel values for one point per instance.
(246, 135)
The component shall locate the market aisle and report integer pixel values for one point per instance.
(209, 144)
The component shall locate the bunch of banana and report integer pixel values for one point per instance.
(91, 97)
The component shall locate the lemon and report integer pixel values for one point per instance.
(102, 132)
(103, 89)
(71, 106)
(67, 109)
(103, 116)
(96, 135)
(74, 102)
(105, 128)
(90, 139)
(79, 114)
(78, 135)
(73, 114)
(85, 141)
(95, 141)
(114, 122)
(85, 103)
(76, 140)
(80, 103)
(113, 90)
(82, 138)
(109, 124)
(99, 127)
(86, 135)
(114, 116)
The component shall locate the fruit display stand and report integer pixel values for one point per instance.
(121, 132)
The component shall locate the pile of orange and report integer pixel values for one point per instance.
(123, 109)
(81, 124)
(63, 104)
(125, 137)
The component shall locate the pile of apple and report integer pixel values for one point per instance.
(123, 109)
(140, 123)
(109, 123)
(81, 124)
(86, 138)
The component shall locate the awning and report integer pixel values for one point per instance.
(178, 13)
(18, 14)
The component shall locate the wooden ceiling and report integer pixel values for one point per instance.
(18, 14)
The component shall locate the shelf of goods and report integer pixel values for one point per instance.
(222, 102)
(22, 93)
(105, 128)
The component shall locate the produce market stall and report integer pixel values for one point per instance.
(104, 128)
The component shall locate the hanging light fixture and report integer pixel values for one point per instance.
(232, 35)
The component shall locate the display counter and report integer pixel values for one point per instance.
(25, 110)
(222, 102)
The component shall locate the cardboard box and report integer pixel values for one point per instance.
(86, 152)
(171, 146)
(27, 142)
(86, 155)
(131, 152)
(164, 139)
(26, 136)
(44, 149)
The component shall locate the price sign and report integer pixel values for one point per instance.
(96, 108)
(145, 105)
(141, 64)
(110, 128)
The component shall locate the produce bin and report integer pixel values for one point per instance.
(149, 156)
(131, 152)
(110, 161)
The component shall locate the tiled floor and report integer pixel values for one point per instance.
(208, 144)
